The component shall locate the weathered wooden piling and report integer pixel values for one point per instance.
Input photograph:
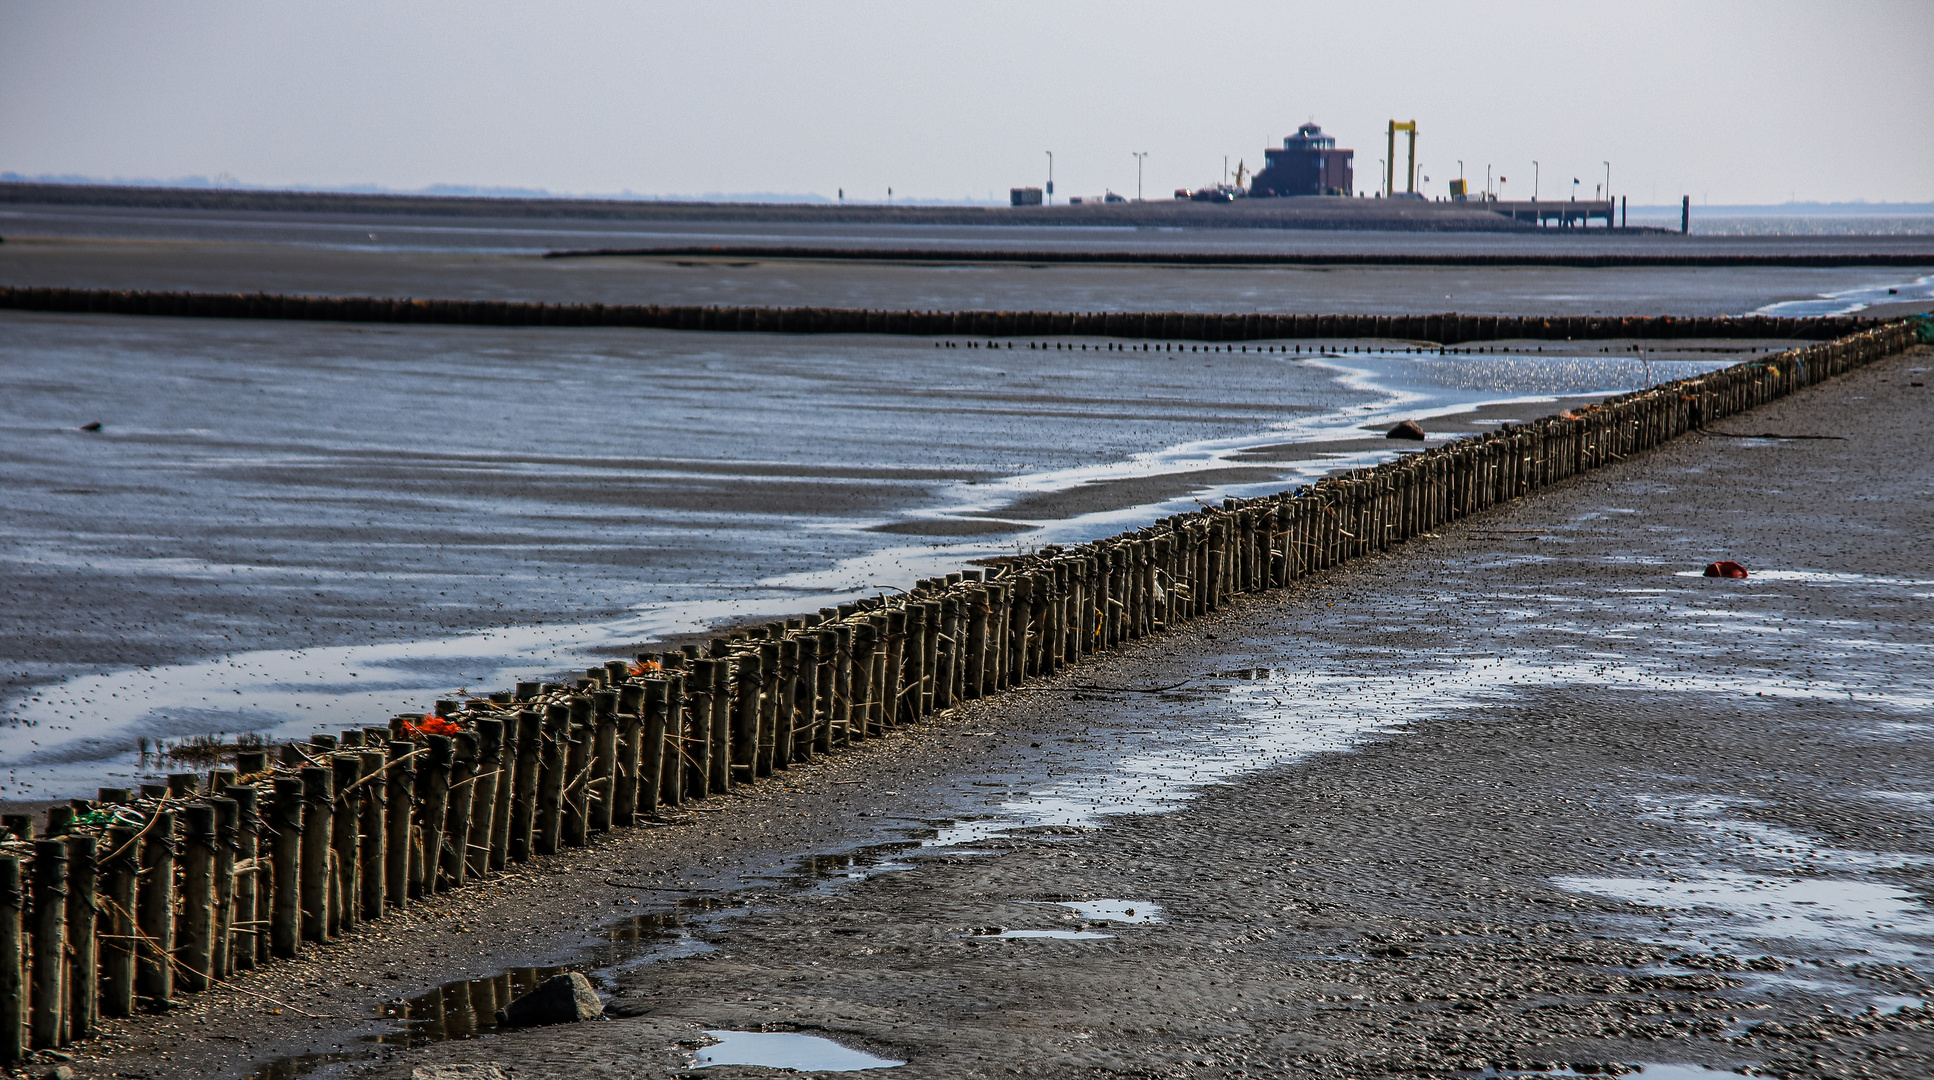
(577, 775)
(227, 837)
(520, 842)
(747, 688)
(195, 924)
(432, 813)
(13, 960)
(399, 822)
(119, 867)
(345, 842)
(314, 866)
(629, 730)
(601, 786)
(480, 840)
(154, 974)
(47, 1022)
(83, 945)
(721, 779)
(372, 839)
(551, 779)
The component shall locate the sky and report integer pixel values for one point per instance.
(1728, 102)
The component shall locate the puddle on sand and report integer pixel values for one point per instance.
(1057, 935)
(1777, 890)
(1867, 918)
(785, 1050)
(1648, 1070)
(1119, 911)
(467, 1008)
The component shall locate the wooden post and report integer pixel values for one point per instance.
(317, 831)
(550, 779)
(577, 777)
(672, 766)
(373, 834)
(346, 841)
(933, 662)
(631, 723)
(890, 669)
(786, 709)
(695, 752)
(746, 687)
(154, 976)
(227, 833)
(47, 1022)
(805, 696)
(721, 729)
(83, 946)
(456, 823)
(195, 925)
(398, 822)
(433, 806)
(864, 687)
(483, 803)
(766, 756)
(648, 740)
(506, 759)
(520, 842)
(13, 970)
(120, 867)
(601, 788)
(845, 685)
(913, 665)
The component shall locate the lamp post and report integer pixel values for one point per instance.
(1139, 155)
(1050, 154)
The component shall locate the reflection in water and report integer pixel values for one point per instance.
(1059, 935)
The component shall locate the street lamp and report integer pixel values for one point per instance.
(1139, 155)
(1050, 155)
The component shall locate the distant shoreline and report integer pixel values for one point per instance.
(1332, 213)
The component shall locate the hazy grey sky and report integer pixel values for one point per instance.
(1727, 102)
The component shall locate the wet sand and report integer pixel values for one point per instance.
(1527, 794)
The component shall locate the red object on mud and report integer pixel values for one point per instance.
(1725, 569)
(432, 725)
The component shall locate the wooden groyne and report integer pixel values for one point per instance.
(130, 901)
(1062, 256)
(1448, 328)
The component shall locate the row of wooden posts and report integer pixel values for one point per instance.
(125, 902)
(1446, 329)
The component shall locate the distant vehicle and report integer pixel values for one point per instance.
(1217, 193)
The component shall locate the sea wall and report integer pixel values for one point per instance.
(123, 903)
(1448, 328)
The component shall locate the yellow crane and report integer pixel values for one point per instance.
(1390, 162)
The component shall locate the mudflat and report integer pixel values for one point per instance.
(1530, 793)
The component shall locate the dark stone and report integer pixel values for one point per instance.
(560, 999)
(1406, 430)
